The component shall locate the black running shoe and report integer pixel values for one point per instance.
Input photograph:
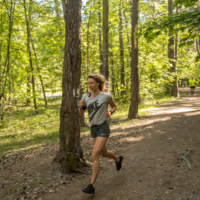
(89, 189)
(119, 164)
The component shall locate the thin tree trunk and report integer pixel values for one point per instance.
(30, 58)
(11, 19)
(121, 49)
(38, 69)
(100, 45)
(196, 44)
(70, 151)
(154, 10)
(112, 70)
(28, 86)
(174, 87)
(105, 69)
(133, 110)
(127, 34)
(6, 72)
(176, 58)
(88, 42)
(199, 41)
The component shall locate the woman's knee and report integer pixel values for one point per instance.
(95, 156)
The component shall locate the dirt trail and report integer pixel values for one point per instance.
(152, 166)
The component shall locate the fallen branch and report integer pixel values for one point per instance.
(187, 160)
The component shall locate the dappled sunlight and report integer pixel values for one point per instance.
(131, 139)
(176, 110)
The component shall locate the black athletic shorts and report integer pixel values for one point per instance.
(192, 87)
(102, 130)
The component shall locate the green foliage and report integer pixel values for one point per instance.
(185, 3)
(186, 22)
(20, 127)
(23, 130)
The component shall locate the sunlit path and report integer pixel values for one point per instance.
(152, 148)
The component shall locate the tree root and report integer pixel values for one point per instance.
(72, 162)
(87, 164)
(82, 171)
(187, 160)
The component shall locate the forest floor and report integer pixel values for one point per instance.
(153, 166)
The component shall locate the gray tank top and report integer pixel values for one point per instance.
(97, 108)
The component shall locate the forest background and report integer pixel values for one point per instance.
(31, 62)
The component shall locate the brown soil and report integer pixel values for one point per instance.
(152, 168)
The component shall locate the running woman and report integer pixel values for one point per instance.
(97, 104)
(192, 83)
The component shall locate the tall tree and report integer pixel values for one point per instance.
(70, 151)
(30, 56)
(100, 45)
(133, 110)
(121, 49)
(36, 60)
(88, 42)
(174, 87)
(105, 69)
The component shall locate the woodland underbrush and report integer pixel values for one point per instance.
(21, 129)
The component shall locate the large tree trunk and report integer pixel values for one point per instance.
(121, 49)
(105, 69)
(133, 110)
(174, 87)
(70, 152)
(100, 45)
(30, 57)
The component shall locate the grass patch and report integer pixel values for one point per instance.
(22, 129)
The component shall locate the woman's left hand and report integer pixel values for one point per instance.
(108, 114)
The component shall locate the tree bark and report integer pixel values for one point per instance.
(30, 57)
(70, 151)
(100, 45)
(174, 87)
(133, 110)
(121, 49)
(105, 69)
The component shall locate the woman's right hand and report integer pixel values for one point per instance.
(81, 103)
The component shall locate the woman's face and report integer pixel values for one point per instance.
(92, 84)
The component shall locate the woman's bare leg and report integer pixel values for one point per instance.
(100, 142)
(109, 154)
